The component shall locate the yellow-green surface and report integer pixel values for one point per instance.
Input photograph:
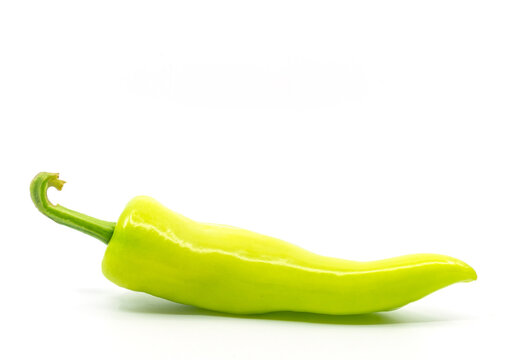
(217, 267)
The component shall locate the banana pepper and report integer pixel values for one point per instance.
(157, 251)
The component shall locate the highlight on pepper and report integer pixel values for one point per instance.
(157, 251)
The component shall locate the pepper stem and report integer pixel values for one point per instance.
(103, 230)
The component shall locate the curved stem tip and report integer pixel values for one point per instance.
(102, 230)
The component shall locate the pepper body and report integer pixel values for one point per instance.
(223, 268)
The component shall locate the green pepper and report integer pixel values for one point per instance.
(157, 251)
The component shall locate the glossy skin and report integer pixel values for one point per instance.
(222, 268)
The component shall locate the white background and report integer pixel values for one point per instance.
(356, 129)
